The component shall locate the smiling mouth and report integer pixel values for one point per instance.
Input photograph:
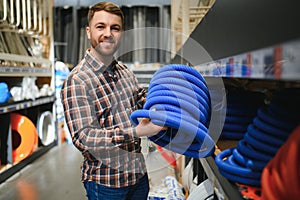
(107, 43)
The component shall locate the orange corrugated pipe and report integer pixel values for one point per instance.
(281, 176)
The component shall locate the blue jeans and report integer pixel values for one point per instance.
(138, 191)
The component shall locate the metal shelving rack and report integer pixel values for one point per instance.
(21, 20)
(254, 42)
(223, 188)
(251, 66)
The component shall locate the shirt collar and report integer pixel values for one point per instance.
(96, 64)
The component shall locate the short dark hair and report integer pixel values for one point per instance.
(106, 6)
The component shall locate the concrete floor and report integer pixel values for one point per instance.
(53, 176)
(56, 175)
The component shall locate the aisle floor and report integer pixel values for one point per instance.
(55, 175)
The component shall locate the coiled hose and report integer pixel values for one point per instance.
(241, 108)
(264, 136)
(178, 98)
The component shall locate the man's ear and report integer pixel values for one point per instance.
(87, 29)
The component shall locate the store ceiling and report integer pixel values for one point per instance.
(84, 3)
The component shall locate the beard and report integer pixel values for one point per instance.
(106, 47)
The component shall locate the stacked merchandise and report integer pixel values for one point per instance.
(264, 136)
(46, 128)
(4, 93)
(240, 110)
(24, 137)
(171, 190)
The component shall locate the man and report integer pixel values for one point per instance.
(98, 97)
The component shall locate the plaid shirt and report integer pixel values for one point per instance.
(98, 101)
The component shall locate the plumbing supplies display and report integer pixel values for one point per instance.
(241, 109)
(24, 137)
(268, 132)
(4, 93)
(45, 128)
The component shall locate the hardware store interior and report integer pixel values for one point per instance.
(242, 60)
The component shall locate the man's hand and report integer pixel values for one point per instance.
(147, 128)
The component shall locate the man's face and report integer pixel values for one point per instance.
(104, 32)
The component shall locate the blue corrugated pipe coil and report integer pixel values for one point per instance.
(240, 110)
(178, 98)
(268, 131)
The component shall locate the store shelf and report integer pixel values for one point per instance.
(21, 58)
(24, 71)
(222, 187)
(27, 65)
(10, 107)
(144, 75)
(248, 46)
(19, 65)
(278, 62)
(12, 169)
